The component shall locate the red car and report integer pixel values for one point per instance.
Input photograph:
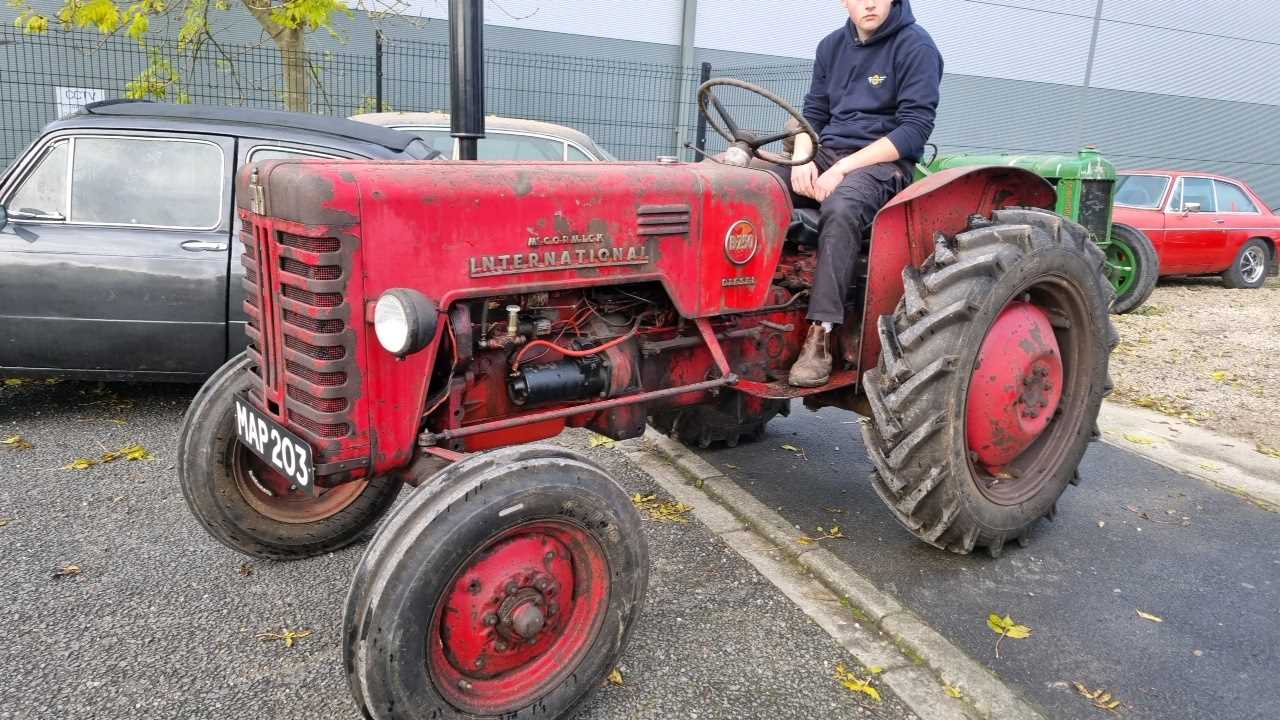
(1198, 224)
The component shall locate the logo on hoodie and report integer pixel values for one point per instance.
(875, 80)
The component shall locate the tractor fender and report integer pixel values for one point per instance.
(904, 230)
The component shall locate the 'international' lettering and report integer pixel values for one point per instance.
(578, 258)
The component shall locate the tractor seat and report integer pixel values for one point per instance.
(803, 229)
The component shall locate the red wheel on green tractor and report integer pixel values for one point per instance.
(991, 374)
(249, 507)
(507, 585)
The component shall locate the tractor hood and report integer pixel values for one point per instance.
(1085, 165)
(709, 233)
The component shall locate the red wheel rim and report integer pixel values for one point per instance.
(518, 616)
(275, 496)
(1015, 388)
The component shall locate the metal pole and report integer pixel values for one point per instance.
(700, 141)
(688, 34)
(377, 69)
(1082, 108)
(466, 74)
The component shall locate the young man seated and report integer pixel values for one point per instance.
(872, 103)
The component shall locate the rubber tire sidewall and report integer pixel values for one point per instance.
(1232, 277)
(1148, 270)
(436, 533)
(213, 496)
(996, 520)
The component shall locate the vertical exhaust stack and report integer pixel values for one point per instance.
(466, 74)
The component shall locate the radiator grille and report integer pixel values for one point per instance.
(315, 377)
(315, 245)
(1095, 206)
(322, 430)
(323, 299)
(325, 405)
(319, 352)
(311, 272)
(327, 327)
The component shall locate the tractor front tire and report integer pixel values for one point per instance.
(244, 505)
(507, 586)
(1132, 266)
(1021, 263)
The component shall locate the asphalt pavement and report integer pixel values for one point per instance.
(1134, 536)
(163, 622)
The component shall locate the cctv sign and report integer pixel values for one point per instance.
(71, 99)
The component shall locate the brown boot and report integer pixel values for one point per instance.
(813, 367)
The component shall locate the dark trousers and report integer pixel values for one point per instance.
(846, 222)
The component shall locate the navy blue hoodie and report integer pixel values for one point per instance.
(887, 86)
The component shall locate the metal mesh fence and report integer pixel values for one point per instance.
(631, 109)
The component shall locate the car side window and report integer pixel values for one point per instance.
(1197, 190)
(503, 146)
(155, 182)
(573, 153)
(43, 194)
(260, 154)
(1232, 199)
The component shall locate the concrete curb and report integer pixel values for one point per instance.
(871, 624)
(1226, 462)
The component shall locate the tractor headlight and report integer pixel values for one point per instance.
(404, 321)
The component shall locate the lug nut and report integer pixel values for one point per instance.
(479, 663)
(551, 555)
(500, 646)
(511, 588)
(552, 608)
(542, 584)
(464, 685)
(490, 619)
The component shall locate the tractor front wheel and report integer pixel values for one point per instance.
(251, 508)
(1132, 267)
(507, 586)
(991, 374)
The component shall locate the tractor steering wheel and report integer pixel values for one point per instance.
(747, 142)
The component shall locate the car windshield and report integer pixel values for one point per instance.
(1140, 191)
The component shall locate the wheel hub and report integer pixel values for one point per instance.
(520, 611)
(1016, 386)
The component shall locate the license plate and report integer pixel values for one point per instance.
(282, 450)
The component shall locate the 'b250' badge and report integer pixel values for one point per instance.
(740, 242)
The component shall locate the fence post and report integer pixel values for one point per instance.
(377, 69)
(701, 141)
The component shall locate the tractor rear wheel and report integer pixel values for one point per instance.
(738, 417)
(991, 374)
(1132, 267)
(507, 586)
(249, 507)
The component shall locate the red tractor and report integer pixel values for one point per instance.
(423, 323)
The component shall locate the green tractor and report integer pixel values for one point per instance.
(1085, 183)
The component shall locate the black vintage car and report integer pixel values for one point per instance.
(118, 259)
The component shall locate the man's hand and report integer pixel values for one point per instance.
(803, 178)
(827, 184)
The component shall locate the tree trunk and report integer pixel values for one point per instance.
(292, 46)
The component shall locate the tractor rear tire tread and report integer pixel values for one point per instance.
(911, 392)
(704, 426)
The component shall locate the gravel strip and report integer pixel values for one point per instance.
(1205, 354)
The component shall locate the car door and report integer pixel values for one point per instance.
(115, 258)
(1194, 232)
(257, 150)
(1241, 221)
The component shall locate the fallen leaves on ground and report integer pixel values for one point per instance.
(1149, 616)
(836, 510)
(615, 677)
(1102, 699)
(1269, 451)
(598, 440)
(67, 570)
(1146, 516)
(287, 636)
(952, 691)
(246, 569)
(661, 510)
(1210, 467)
(796, 450)
(5, 521)
(17, 442)
(1139, 439)
(1220, 376)
(856, 684)
(832, 534)
(1006, 627)
(128, 452)
(1175, 407)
